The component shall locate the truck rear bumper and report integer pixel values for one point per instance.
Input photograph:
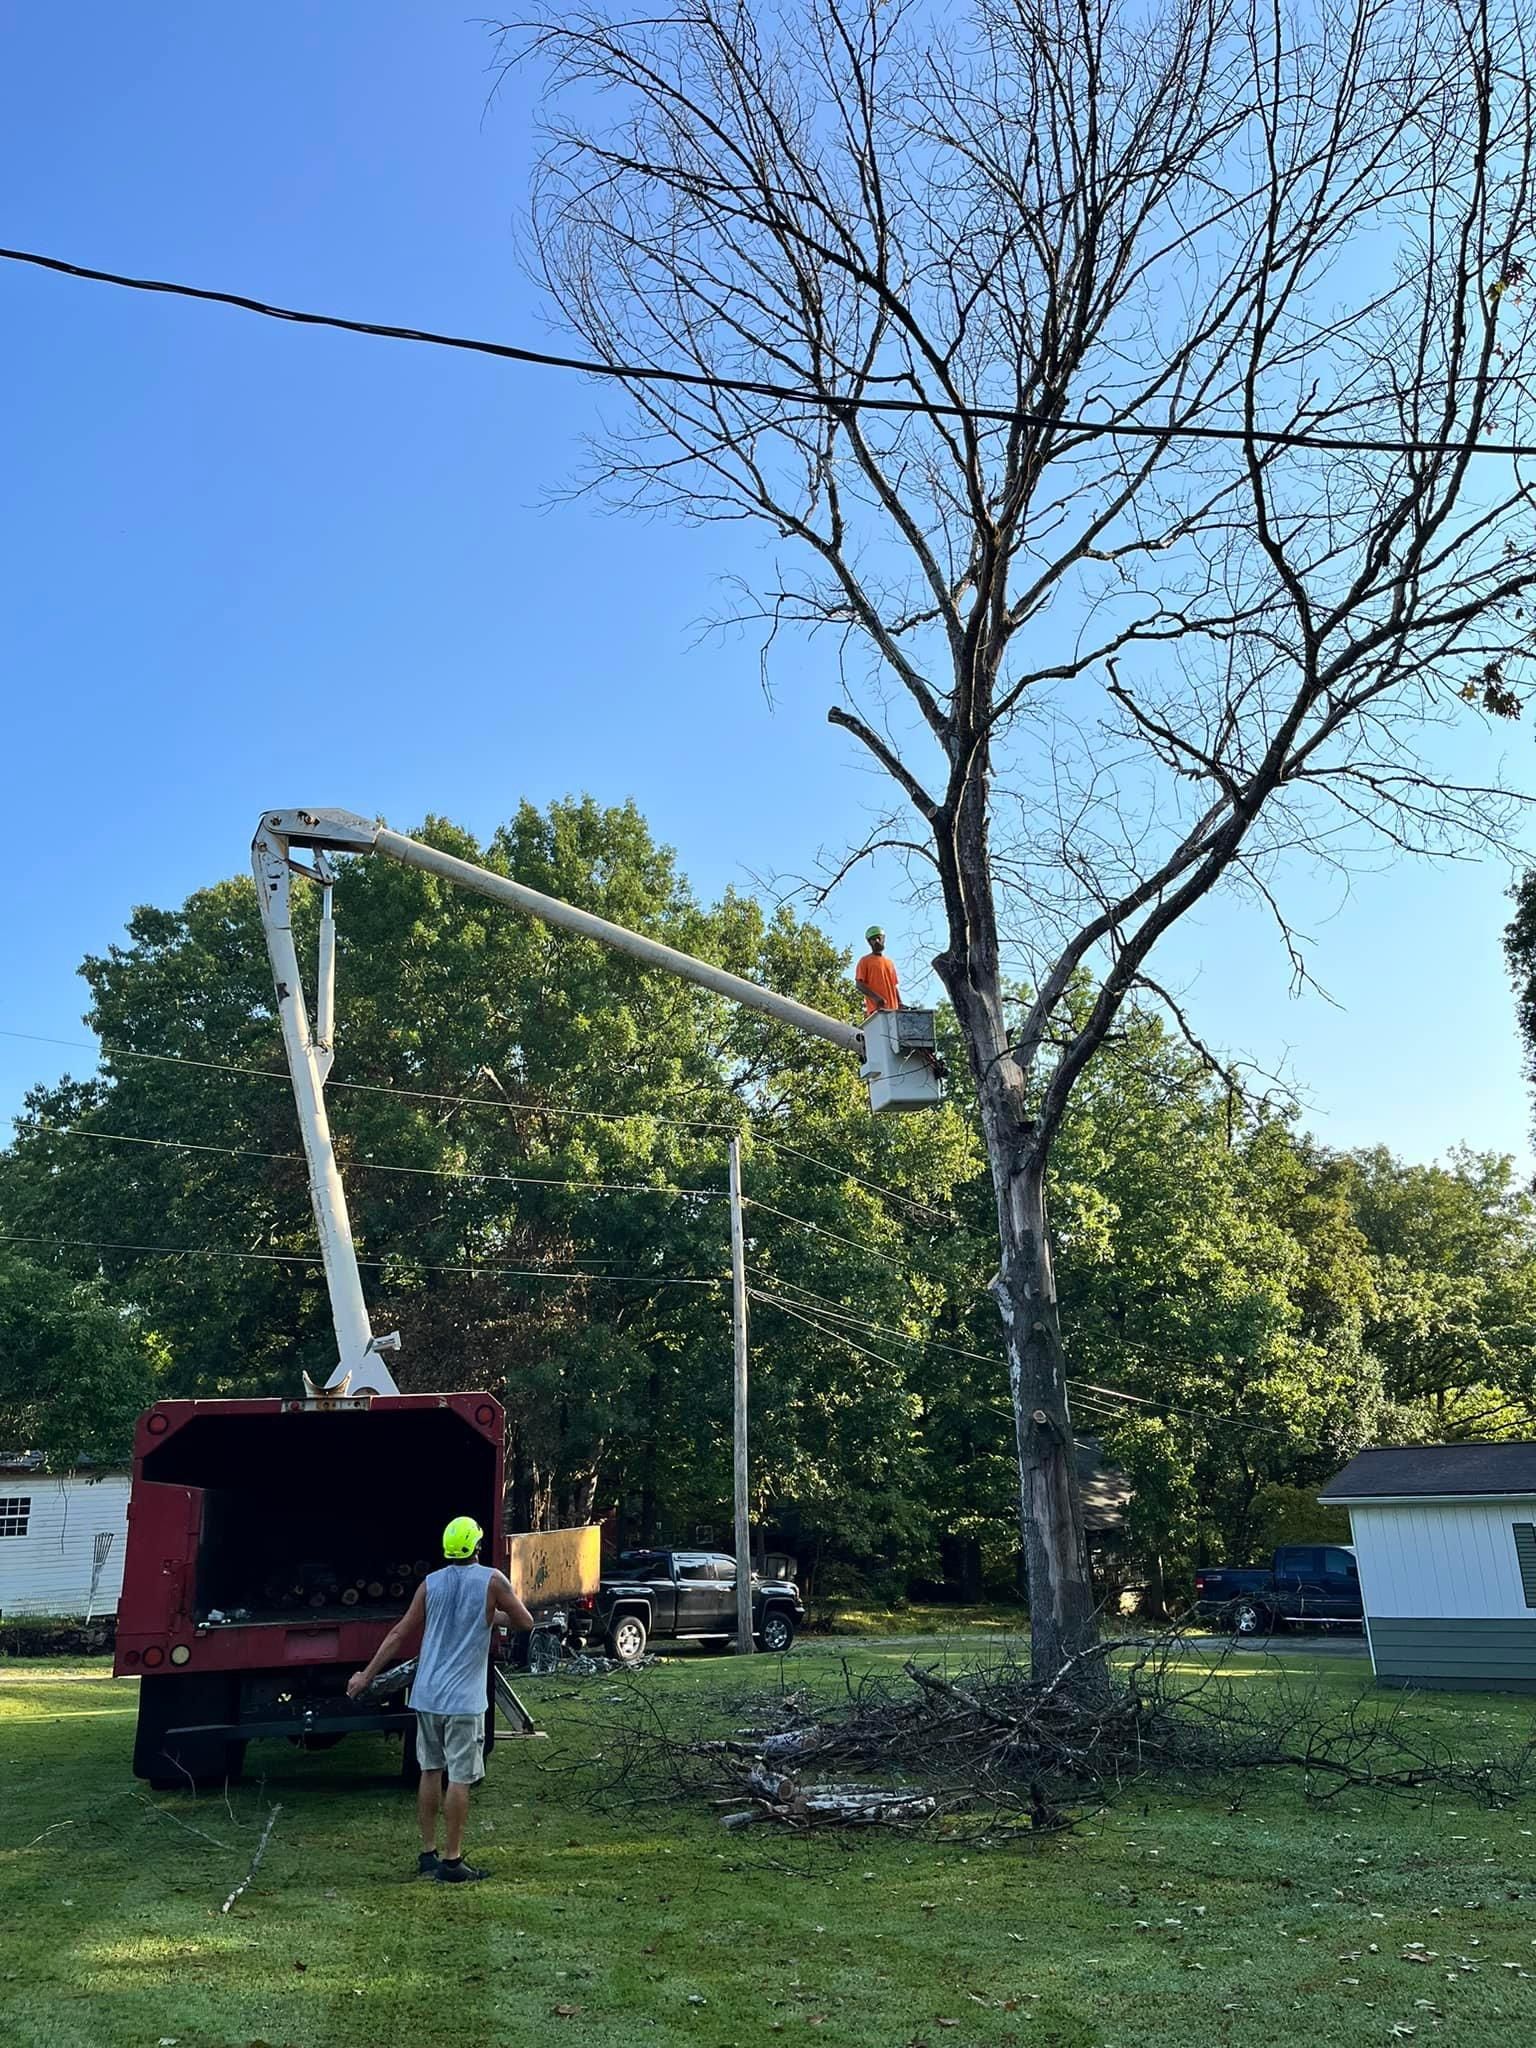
(297, 1729)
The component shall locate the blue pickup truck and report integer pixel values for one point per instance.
(1308, 1585)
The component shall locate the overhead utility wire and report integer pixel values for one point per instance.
(1088, 1391)
(832, 402)
(177, 1059)
(847, 1173)
(447, 1173)
(521, 1180)
(804, 1223)
(313, 1259)
(618, 1116)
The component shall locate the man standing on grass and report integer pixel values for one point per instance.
(451, 1616)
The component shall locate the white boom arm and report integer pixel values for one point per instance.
(360, 1367)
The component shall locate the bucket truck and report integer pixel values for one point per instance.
(273, 1543)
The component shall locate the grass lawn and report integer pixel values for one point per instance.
(921, 1619)
(1167, 1921)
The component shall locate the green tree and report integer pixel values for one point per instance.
(74, 1370)
(1453, 1251)
(600, 1089)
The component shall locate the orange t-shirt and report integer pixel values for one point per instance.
(876, 972)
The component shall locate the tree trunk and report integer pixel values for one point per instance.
(1061, 1611)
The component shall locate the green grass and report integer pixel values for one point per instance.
(1167, 1921)
(924, 1620)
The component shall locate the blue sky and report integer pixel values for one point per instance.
(246, 564)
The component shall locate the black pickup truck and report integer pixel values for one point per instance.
(689, 1593)
(1308, 1585)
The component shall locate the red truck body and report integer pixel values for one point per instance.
(271, 1546)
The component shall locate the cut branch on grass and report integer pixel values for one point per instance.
(255, 1864)
(988, 1751)
(176, 1821)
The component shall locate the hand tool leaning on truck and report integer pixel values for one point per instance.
(452, 1615)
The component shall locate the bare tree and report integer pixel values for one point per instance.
(1113, 371)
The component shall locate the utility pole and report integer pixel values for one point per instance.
(739, 1432)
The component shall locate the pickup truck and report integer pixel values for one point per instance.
(1308, 1585)
(688, 1593)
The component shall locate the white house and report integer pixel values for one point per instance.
(1445, 1538)
(62, 1536)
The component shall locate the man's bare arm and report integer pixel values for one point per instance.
(500, 1599)
(406, 1634)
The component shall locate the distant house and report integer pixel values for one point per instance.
(1445, 1537)
(61, 1538)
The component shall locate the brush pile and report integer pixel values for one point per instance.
(990, 1750)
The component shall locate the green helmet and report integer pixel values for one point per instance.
(876, 931)
(462, 1537)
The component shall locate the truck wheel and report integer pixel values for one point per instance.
(776, 1633)
(626, 1639)
(183, 1763)
(1251, 1618)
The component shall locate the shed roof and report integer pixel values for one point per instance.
(1435, 1472)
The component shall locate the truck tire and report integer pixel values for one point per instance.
(627, 1639)
(1251, 1618)
(776, 1632)
(187, 1762)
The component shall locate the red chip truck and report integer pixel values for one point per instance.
(271, 1547)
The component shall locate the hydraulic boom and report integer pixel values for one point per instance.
(895, 1047)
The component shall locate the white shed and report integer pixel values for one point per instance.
(1445, 1538)
(62, 1536)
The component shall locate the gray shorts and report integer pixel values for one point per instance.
(454, 1743)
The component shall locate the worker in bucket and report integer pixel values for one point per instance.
(875, 977)
(451, 1616)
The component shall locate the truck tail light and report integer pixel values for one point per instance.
(154, 1655)
(181, 1654)
(1199, 1582)
(584, 1603)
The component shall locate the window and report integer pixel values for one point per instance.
(692, 1567)
(1525, 1551)
(643, 1564)
(1299, 1561)
(724, 1569)
(1338, 1564)
(15, 1510)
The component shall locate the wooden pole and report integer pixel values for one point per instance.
(739, 1433)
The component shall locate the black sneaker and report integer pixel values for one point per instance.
(427, 1863)
(457, 1871)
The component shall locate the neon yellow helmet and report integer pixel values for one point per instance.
(462, 1537)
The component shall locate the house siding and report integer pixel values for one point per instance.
(1450, 1559)
(48, 1571)
(1462, 1654)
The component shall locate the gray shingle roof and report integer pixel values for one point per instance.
(1436, 1470)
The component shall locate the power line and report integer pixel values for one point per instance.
(784, 1307)
(522, 1180)
(708, 380)
(313, 1260)
(847, 1173)
(804, 1223)
(509, 1108)
(496, 1102)
(1091, 1393)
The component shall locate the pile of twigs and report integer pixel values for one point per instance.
(991, 1749)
